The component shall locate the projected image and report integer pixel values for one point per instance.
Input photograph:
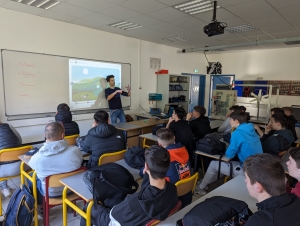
(87, 83)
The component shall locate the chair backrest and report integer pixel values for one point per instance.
(186, 185)
(111, 157)
(11, 154)
(71, 139)
(174, 210)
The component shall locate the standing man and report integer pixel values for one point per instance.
(113, 95)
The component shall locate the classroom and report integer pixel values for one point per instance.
(163, 37)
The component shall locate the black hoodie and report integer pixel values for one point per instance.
(277, 211)
(200, 127)
(104, 138)
(150, 203)
(291, 125)
(71, 127)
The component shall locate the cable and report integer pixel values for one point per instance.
(206, 57)
(143, 109)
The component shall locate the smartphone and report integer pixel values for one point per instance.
(179, 223)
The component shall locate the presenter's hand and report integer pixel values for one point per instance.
(128, 88)
(189, 116)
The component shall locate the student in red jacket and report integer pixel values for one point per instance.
(293, 165)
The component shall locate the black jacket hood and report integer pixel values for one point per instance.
(63, 116)
(103, 130)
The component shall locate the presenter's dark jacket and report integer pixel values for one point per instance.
(101, 139)
(71, 127)
(115, 102)
(200, 127)
(277, 211)
(150, 203)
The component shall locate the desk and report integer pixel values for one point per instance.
(235, 188)
(297, 142)
(146, 116)
(135, 172)
(148, 136)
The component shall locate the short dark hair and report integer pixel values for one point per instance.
(54, 131)
(289, 109)
(101, 117)
(243, 108)
(277, 110)
(165, 135)
(180, 112)
(267, 170)
(240, 116)
(200, 109)
(281, 118)
(295, 154)
(158, 161)
(109, 77)
(63, 107)
(235, 108)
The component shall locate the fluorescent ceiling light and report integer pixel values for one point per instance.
(196, 6)
(29, 3)
(52, 5)
(187, 3)
(175, 39)
(241, 28)
(124, 25)
(42, 4)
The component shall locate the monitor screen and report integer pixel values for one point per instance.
(166, 110)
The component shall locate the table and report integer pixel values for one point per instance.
(146, 116)
(135, 172)
(148, 136)
(235, 188)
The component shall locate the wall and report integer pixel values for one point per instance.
(30, 33)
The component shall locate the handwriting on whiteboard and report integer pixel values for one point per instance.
(24, 64)
(23, 95)
(26, 84)
(26, 74)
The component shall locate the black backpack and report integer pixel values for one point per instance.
(218, 210)
(110, 183)
(135, 157)
(284, 143)
(20, 208)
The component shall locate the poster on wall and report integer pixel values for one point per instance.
(289, 88)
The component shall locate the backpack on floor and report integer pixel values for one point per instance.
(20, 208)
(135, 157)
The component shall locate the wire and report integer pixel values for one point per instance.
(206, 57)
(143, 109)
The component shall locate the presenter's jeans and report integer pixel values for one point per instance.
(117, 114)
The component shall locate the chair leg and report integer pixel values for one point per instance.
(44, 211)
(47, 214)
(226, 179)
(1, 203)
(74, 212)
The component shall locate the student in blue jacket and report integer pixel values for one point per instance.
(244, 142)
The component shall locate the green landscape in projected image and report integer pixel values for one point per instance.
(85, 90)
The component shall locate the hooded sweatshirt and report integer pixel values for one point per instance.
(71, 127)
(54, 158)
(140, 208)
(200, 127)
(291, 125)
(244, 142)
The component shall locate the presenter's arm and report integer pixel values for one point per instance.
(113, 94)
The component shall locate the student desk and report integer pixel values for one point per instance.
(76, 184)
(147, 116)
(148, 136)
(235, 188)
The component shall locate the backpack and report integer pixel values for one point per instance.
(110, 183)
(284, 143)
(20, 208)
(218, 210)
(135, 157)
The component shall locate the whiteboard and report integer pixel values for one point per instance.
(36, 83)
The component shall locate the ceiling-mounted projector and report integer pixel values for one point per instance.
(215, 28)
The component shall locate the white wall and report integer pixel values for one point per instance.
(31, 33)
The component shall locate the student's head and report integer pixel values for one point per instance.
(178, 113)
(54, 131)
(237, 118)
(63, 107)
(234, 108)
(110, 80)
(157, 161)
(243, 109)
(264, 176)
(276, 110)
(287, 110)
(103, 83)
(199, 111)
(101, 117)
(165, 137)
(293, 164)
(278, 121)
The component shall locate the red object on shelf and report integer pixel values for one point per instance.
(162, 71)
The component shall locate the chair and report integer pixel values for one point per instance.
(174, 210)
(71, 139)
(111, 157)
(52, 182)
(186, 185)
(144, 144)
(11, 154)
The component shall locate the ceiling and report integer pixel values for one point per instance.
(274, 19)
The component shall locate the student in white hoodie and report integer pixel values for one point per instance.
(54, 157)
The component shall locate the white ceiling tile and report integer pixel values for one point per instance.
(94, 5)
(70, 10)
(250, 33)
(148, 32)
(235, 40)
(261, 16)
(143, 6)
(120, 12)
(288, 34)
(171, 2)
(292, 10)
(144, 20)
(221, 14)
(57, 16)
(271, 23)
(101, 19)
(285, 3)
(164, 26)
(279, 29)
(187, 21)
(249, 7)
(2, 2)
(260, 38)
(22, 8)
(167, 14)
(225, 3)
(86, 23)
(235, 21)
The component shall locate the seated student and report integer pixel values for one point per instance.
(200, 125)
(181, 128)
(265, 181)
(244, 109)
(154, 201)
(9, 138)
(244, 143)
(280, 139)
(64, 115)
(293, 165)
(54, 157)
(102, 138)
(288, 111)
(225, 128)
(179, 166)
